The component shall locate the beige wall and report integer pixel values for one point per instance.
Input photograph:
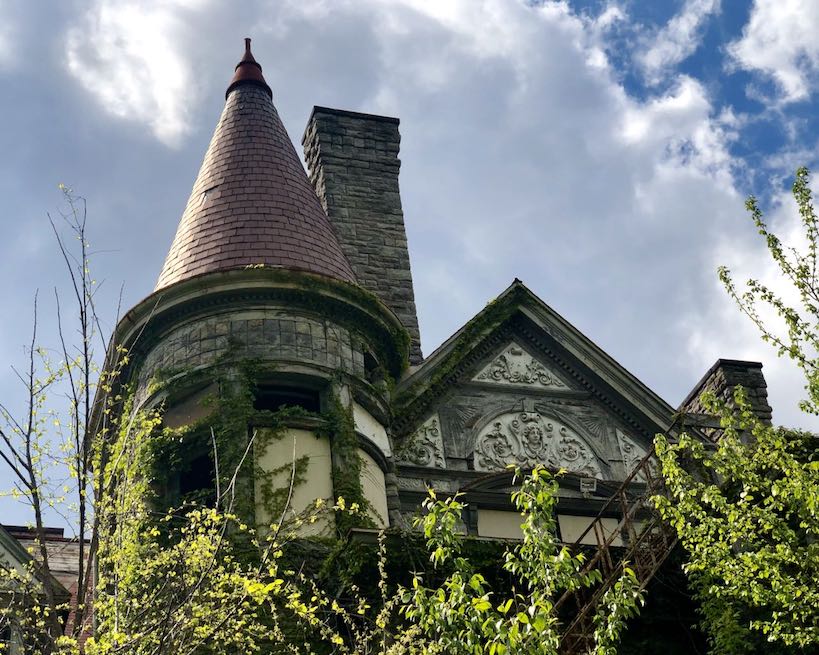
(499, 524)
(318, 482)
(366, 424)
(506, 525)
(571, 527)
(372, 484)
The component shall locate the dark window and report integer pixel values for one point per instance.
(196, 483)
(275, 398)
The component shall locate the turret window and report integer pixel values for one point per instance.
(272, 398)
(196, 482)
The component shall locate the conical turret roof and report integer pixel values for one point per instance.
(252, 203)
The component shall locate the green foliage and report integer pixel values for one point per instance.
(746, 509)
(339, 428)
(797, 335)
(214, 574)
(747, 512)
(465, 615)
(183, 581)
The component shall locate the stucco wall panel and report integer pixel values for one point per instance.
(374, 488)
(274, 465)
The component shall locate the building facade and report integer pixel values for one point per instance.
(299, 284)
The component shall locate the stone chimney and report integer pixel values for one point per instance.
(353, 163)
(721, 379)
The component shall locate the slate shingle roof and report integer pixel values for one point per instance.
(252, 203)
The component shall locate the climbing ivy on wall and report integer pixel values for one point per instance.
(417, 393)
(339, 428)
(232, 421)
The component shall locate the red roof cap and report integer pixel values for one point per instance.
(248, 71)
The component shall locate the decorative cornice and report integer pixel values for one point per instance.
(210, 293)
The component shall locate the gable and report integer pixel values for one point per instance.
(519, 386)
(517, 330)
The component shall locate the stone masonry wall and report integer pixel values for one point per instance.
(722, 378)
(354, 165)
(263, 335)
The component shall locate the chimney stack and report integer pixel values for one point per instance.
(721, 379)
(353, 163)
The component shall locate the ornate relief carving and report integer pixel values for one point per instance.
(425, 447)
(527, 439)
(516, 366)
(593, 422)
(631, 452)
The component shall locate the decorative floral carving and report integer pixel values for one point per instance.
(632, 454)
(425, 447)
(515, 366)
(526, 439)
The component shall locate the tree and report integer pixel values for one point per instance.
(462, 614)
(747, 508)
(42, 443)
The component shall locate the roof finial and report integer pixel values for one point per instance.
(248, 71)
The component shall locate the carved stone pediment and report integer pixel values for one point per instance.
(529, 438)
(425, 447)
(515, 366)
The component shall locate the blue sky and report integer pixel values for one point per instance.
(599, 151)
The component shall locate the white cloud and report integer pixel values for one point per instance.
(522, 153)
(131, 56)
(523, 156)
(780, 41)
(609, 17)
(7, 28)
(678, 39)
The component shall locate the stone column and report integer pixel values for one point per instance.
(353, 163)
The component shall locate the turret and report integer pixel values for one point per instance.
(257, 309)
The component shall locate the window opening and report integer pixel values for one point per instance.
(372, 370)
(197, 482)
(275, 398)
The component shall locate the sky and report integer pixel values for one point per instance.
(600, 151)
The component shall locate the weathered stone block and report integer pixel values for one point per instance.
(354, 165)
